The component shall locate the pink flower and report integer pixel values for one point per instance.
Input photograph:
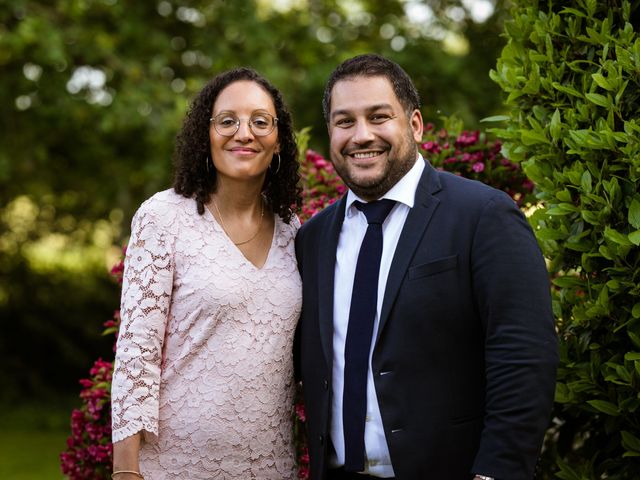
(300, 412)
(466, 139)
(431, 147)
(304, 472)
(478, 167)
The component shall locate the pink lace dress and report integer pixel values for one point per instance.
(204, 360)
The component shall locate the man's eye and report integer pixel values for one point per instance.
(380, 118)
(343, 122)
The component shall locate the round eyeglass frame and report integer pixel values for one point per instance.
(257, 134)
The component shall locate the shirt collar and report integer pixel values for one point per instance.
(404, 191)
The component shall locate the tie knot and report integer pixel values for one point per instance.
(376, 211)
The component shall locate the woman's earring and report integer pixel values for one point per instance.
(277, 169)
(206, 161)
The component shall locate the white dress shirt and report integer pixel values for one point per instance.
(354, 227)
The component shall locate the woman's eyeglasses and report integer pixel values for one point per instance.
(260, 124)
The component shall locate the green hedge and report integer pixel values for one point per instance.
(572, 74)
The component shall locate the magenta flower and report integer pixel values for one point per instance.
(471, 154)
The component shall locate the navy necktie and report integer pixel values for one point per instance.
(364, 301)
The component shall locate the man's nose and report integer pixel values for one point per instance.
(363, 132)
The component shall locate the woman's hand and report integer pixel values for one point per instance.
(126, 465)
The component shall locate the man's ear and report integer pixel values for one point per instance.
(417, 125)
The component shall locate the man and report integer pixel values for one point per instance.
(460, 349)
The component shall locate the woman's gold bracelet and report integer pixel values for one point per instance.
(133, 472)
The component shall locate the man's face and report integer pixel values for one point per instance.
(372, 140)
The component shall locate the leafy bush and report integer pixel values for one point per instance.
(571, 72)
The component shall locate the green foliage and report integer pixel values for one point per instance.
(92, 93)
(571, 72)
(53, 290)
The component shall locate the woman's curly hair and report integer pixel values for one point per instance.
(195, 175)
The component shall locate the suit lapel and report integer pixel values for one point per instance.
(424, 206)
(326, 274)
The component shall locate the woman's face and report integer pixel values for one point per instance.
(243, 155)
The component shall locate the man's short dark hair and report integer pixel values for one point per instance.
(372, 65)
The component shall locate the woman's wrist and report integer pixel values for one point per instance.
(125, 474)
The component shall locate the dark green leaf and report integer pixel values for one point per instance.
(616, 237)
(630, 441)
(634, 213)
(605, 407)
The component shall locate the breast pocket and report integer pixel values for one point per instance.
(431, 268)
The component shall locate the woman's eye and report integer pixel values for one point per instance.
(226, 122)
(260, 122)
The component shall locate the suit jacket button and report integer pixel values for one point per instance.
(321, 439)
(325, 384)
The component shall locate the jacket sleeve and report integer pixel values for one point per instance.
(512, 294)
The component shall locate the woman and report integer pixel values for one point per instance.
(203, 378)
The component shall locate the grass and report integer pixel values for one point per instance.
(32, 435)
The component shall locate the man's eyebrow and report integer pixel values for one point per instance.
(369, 109)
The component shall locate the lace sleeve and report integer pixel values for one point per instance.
(146, 295)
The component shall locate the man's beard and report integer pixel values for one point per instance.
(395, 169)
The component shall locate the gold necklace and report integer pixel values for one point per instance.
(224, 228)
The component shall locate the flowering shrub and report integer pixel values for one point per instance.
(89, 451)
(451, 148)
(470, 154)
(473, 155)
(89, 448)
(321, 185)
(300, 436)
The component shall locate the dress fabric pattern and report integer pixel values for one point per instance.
(204, 363)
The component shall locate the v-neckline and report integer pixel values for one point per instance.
(235, 247)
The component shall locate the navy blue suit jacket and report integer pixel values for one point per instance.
(465, 358)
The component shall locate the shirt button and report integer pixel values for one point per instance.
(367, 418)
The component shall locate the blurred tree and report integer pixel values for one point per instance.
(92, 93)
